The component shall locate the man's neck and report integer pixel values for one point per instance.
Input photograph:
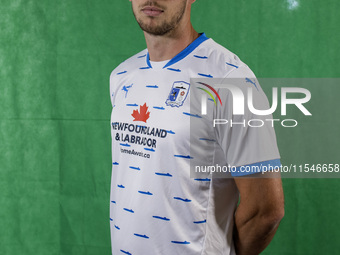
(167, 46)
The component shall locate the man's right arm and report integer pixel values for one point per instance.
(259, 213)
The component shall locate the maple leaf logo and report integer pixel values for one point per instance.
(142, 114)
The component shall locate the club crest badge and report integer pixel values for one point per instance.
(178, 94)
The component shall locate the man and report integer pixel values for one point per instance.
(156, 208)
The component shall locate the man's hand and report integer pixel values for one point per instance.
(259, 213)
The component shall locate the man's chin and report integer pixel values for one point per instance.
(154, 30)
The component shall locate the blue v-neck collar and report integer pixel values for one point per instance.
(183, 53)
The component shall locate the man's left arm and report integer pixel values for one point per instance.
(259, 213)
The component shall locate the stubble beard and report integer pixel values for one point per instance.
(165, 27)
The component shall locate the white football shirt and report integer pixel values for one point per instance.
(156, 207)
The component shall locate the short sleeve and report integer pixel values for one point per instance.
(115, 83)
(112, 87)
(248, 141)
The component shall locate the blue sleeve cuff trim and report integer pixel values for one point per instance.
(256, 168)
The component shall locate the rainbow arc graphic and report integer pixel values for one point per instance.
(209, 93)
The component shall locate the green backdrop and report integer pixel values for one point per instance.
(55, 161)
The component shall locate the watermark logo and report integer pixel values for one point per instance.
(204, 96)
(239, 100)
(245, 97)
